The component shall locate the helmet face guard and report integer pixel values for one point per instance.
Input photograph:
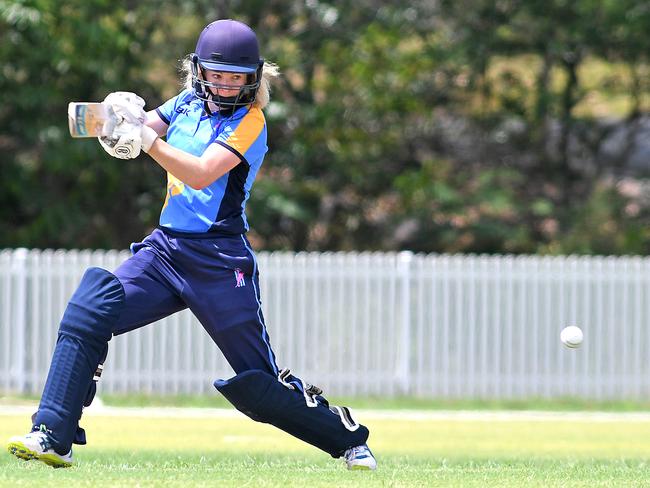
(247, 92)
(228, 46)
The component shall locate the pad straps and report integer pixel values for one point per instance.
(346, 417)
(310, 392)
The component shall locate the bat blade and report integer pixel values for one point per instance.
(88, 119)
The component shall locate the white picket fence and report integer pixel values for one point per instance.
(361, 324)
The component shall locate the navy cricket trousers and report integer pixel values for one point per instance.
(215, 277)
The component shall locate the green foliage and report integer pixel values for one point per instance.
(461, 210)
(447, 127)
(59, 192)
(604, 224)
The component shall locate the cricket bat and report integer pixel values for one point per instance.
(89, 119)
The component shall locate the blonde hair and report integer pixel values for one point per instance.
(270, 71)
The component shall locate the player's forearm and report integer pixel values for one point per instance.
(153, 120)
(184, 166)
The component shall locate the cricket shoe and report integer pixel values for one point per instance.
(37, 445)
(359, 458)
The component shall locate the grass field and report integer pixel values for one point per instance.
(212, 449)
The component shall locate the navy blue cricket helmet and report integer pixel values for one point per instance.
(227, 45)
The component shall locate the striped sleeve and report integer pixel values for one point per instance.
(246, 137)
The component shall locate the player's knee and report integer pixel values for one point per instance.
(94, 307)
(248, 392)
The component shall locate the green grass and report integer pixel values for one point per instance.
(145, 451)
(375, 403)
(397, 403)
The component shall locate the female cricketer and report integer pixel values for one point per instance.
(198, 258)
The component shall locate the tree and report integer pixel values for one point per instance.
(462, 126)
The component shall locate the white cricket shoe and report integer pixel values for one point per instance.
(37, 445)
(360, 457)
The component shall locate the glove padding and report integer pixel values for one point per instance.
(124, 143)
(148, 136)
(126, 107)
(124, 125)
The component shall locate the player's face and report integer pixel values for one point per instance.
(230, 81)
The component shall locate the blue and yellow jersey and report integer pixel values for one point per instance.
(220, 207)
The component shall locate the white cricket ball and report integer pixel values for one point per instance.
(571, 336)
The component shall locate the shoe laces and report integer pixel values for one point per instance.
(357, 452)
(43, 438)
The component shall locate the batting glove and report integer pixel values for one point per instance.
(127, 106)
(125, 142)
(148, 136)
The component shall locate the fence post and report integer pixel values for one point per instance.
(404, 272)
(19, 325)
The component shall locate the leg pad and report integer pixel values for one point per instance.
(263, 398)
(86, 328)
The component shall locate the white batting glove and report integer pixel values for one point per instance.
(124, 107)
(125, 142)
(128, 133)
(148, 136)
(123, 97)
(128, 106)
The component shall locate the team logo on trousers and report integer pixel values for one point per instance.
(239, 278)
